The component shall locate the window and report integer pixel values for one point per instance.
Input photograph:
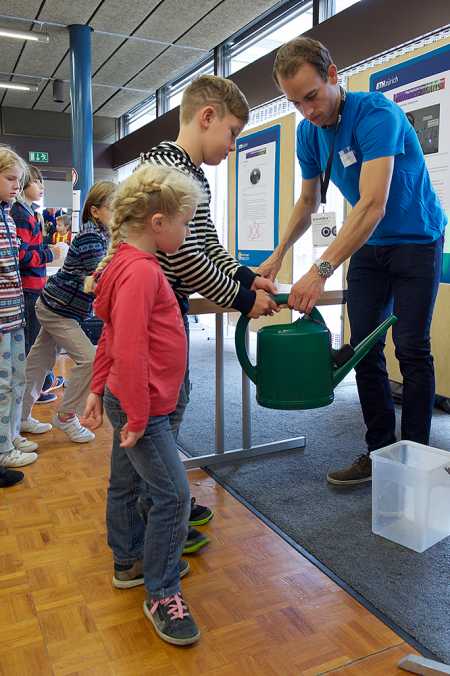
(139, 115)
(126, 170)
(290, 25)
(344, 4)
(177, 87)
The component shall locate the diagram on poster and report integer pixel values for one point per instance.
(421, 87)
(257, 188)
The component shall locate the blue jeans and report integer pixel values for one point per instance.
(12, 386)
(155, 462)
(403, 279)
(183, 398)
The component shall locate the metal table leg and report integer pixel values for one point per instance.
(220, 456)
(416, 664)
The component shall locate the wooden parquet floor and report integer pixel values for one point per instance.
(263, 609)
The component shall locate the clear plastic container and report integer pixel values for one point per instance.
(411, 494)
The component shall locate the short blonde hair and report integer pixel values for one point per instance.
(211, 90)
(294, 54)
(149, 190)
(9, 159)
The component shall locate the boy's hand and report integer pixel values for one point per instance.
(263, 305)
(56, 251)
(265, 284)
(129, 439)
(93, 412)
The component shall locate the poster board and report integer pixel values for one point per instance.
(281, 134)
(421, 78)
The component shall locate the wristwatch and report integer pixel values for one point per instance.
(324, 268)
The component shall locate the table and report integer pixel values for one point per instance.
(199, 306)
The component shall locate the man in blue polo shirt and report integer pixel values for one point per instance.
(394, 235)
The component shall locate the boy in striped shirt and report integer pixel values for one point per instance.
(213, 113)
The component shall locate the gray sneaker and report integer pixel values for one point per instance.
(134, 576)
(172, 620)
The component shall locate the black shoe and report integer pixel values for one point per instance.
(359, 472)
(9, 477)
(199, 514)
(172, 620)
(134, 575)
(195, 541)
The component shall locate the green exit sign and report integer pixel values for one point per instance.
(37, 156)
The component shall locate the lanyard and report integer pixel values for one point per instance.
(325, 178)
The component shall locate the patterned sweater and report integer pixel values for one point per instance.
(11, 296)
(33, 253)
(63, 292)
(202, 264)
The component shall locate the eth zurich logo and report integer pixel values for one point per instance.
(382, 84)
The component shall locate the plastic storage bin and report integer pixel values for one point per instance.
(411, 494)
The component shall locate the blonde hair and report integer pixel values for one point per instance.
(294, 54)
(211, 90)
(64, 220)
(9, 159)
(98, 195)
(149, 190)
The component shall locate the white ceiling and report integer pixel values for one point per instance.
(117, 61)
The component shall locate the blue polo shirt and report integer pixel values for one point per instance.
(372, 126)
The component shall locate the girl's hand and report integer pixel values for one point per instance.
(129, 439)
(93, 412)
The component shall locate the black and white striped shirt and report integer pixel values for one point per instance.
(202, 265)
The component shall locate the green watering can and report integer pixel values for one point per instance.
(296, 367)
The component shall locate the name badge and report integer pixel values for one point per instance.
(323, 228)
(347, 157)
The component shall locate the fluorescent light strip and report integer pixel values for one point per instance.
(24, 35)
(20, 87)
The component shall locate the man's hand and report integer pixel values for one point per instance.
(306, 292)
(93, 412)
(271, 266)
(263, 305)
(264, 284)
(129, 439)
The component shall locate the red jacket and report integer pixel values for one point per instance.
(141, 355)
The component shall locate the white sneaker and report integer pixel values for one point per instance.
(25, 445)
(16, 458)
(74, 430)
(33, 426)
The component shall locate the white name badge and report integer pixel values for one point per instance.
(323, 228)
(347, 157)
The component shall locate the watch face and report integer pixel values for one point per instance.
(325, 269)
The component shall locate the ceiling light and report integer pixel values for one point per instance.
(20, 87)
(24, 35)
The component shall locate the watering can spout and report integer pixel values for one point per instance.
(362, 349)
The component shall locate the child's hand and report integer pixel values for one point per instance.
(129, 439)
(265, 284)
(93, 412)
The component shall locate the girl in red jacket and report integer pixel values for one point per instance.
(138, 372)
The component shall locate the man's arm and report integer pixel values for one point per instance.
(374, 185)
(298, 224)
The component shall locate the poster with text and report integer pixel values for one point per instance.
(421, 87)
(257, 195)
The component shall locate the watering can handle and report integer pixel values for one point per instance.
(241, 330)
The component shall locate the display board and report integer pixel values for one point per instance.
(421, 81)
(257, 195)
(277, 138)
